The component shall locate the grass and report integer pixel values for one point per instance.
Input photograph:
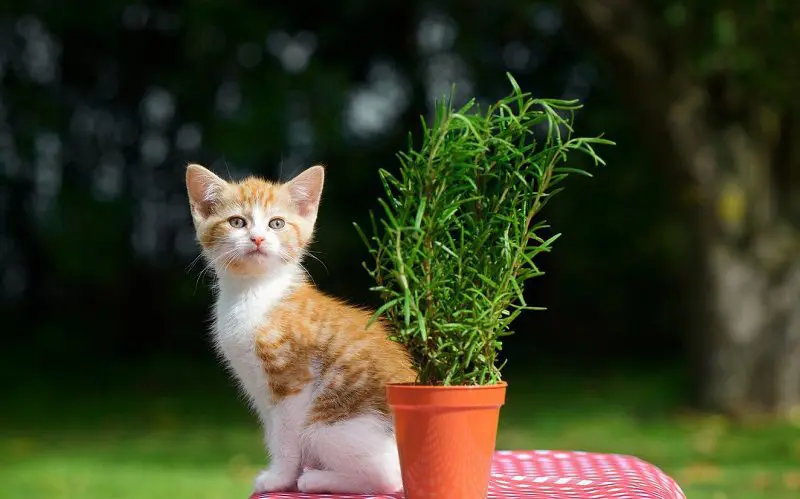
(191, 437)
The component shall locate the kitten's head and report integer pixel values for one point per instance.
(253, 227)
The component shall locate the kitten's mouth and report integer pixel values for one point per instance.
(256, 252)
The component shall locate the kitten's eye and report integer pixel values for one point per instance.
(277, 223)
(237, 222)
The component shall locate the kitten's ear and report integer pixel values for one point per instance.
(306, 190)
(204, 189)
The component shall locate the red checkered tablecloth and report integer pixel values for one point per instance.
(546, 474)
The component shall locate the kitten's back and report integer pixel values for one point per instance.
(311, 337)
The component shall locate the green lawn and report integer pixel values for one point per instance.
(163, 440)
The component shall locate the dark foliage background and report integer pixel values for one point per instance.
(104, 105)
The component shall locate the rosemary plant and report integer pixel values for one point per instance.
(460, 230)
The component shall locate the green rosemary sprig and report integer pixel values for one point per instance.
(460, 231)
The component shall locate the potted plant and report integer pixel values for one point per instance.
(458, 237)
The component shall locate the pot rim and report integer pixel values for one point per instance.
(409, 396)
(415, 386)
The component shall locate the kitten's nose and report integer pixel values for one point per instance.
(257, 240)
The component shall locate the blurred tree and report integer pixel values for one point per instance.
(711, 84)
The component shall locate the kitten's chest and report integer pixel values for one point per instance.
(236, 325)
(239, 319)
(242, 312)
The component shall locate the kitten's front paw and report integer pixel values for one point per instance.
(316, 481)
(270, 480)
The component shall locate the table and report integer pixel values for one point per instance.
(551, 474)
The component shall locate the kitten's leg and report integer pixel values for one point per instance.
(359, 455)
(283, 444)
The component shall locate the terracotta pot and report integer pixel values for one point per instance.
(446, 437)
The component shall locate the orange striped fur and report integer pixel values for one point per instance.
(312, 370)
(354, 363)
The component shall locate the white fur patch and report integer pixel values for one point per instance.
(358, 455)
(242, 306)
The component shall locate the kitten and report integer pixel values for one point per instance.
(312, 371)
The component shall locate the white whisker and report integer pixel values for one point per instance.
(312, 255)
(286, 257)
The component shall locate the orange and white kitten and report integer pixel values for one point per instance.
(312, 371)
